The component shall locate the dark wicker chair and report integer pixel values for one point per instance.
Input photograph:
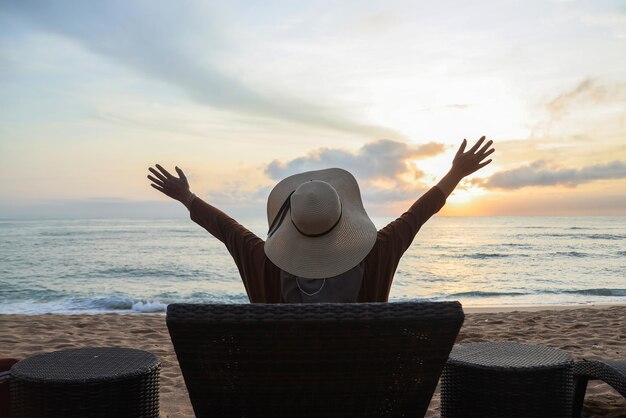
(313, 360)
(612, 372)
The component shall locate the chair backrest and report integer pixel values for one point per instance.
(322, 360)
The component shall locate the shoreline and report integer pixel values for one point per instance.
(583, 331)
(466, 308)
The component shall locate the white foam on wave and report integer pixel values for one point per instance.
(149, 307)
(90, 305)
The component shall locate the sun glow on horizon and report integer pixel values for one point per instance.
(466, 194)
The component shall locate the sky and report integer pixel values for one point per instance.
(241, 94)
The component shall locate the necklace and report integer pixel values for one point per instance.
(314, 293)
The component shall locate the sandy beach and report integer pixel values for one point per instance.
(586, 332)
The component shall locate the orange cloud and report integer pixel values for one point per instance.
(379, 159)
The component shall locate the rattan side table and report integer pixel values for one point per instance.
(506, 379)
(86, 382)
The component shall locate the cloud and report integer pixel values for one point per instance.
(589, 106)
(182, 46)
(383, 159)
(587, 91)
(384, 169)
(540, 174)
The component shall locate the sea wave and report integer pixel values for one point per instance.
(583, 236)
(91, 232)
(143, 272)
(108, 303)
(149, 307)
(515, 244)
(572, 254)
(479, 294)
(121, 304)
(117, 304)
(481, 256)
(14, 292)
(606, 236)
(596, 292)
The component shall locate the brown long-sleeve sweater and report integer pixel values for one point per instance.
(261, 277)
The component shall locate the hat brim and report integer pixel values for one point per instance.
(329, 255)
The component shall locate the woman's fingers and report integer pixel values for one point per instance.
(475, 147)
(485, 147)
(164, 171)
(485, 155)
(181, 174)
(462, 147)
(158, 182)
(157, 174)
(481, 165)
(165, 191)
(158, 188)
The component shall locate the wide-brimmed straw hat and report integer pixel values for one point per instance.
(318, 227)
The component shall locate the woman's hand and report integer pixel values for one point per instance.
(175, 187)
(465, 163)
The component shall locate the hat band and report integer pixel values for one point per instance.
(282, 212)
(323, 233)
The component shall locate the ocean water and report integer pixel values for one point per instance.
(137, 266)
